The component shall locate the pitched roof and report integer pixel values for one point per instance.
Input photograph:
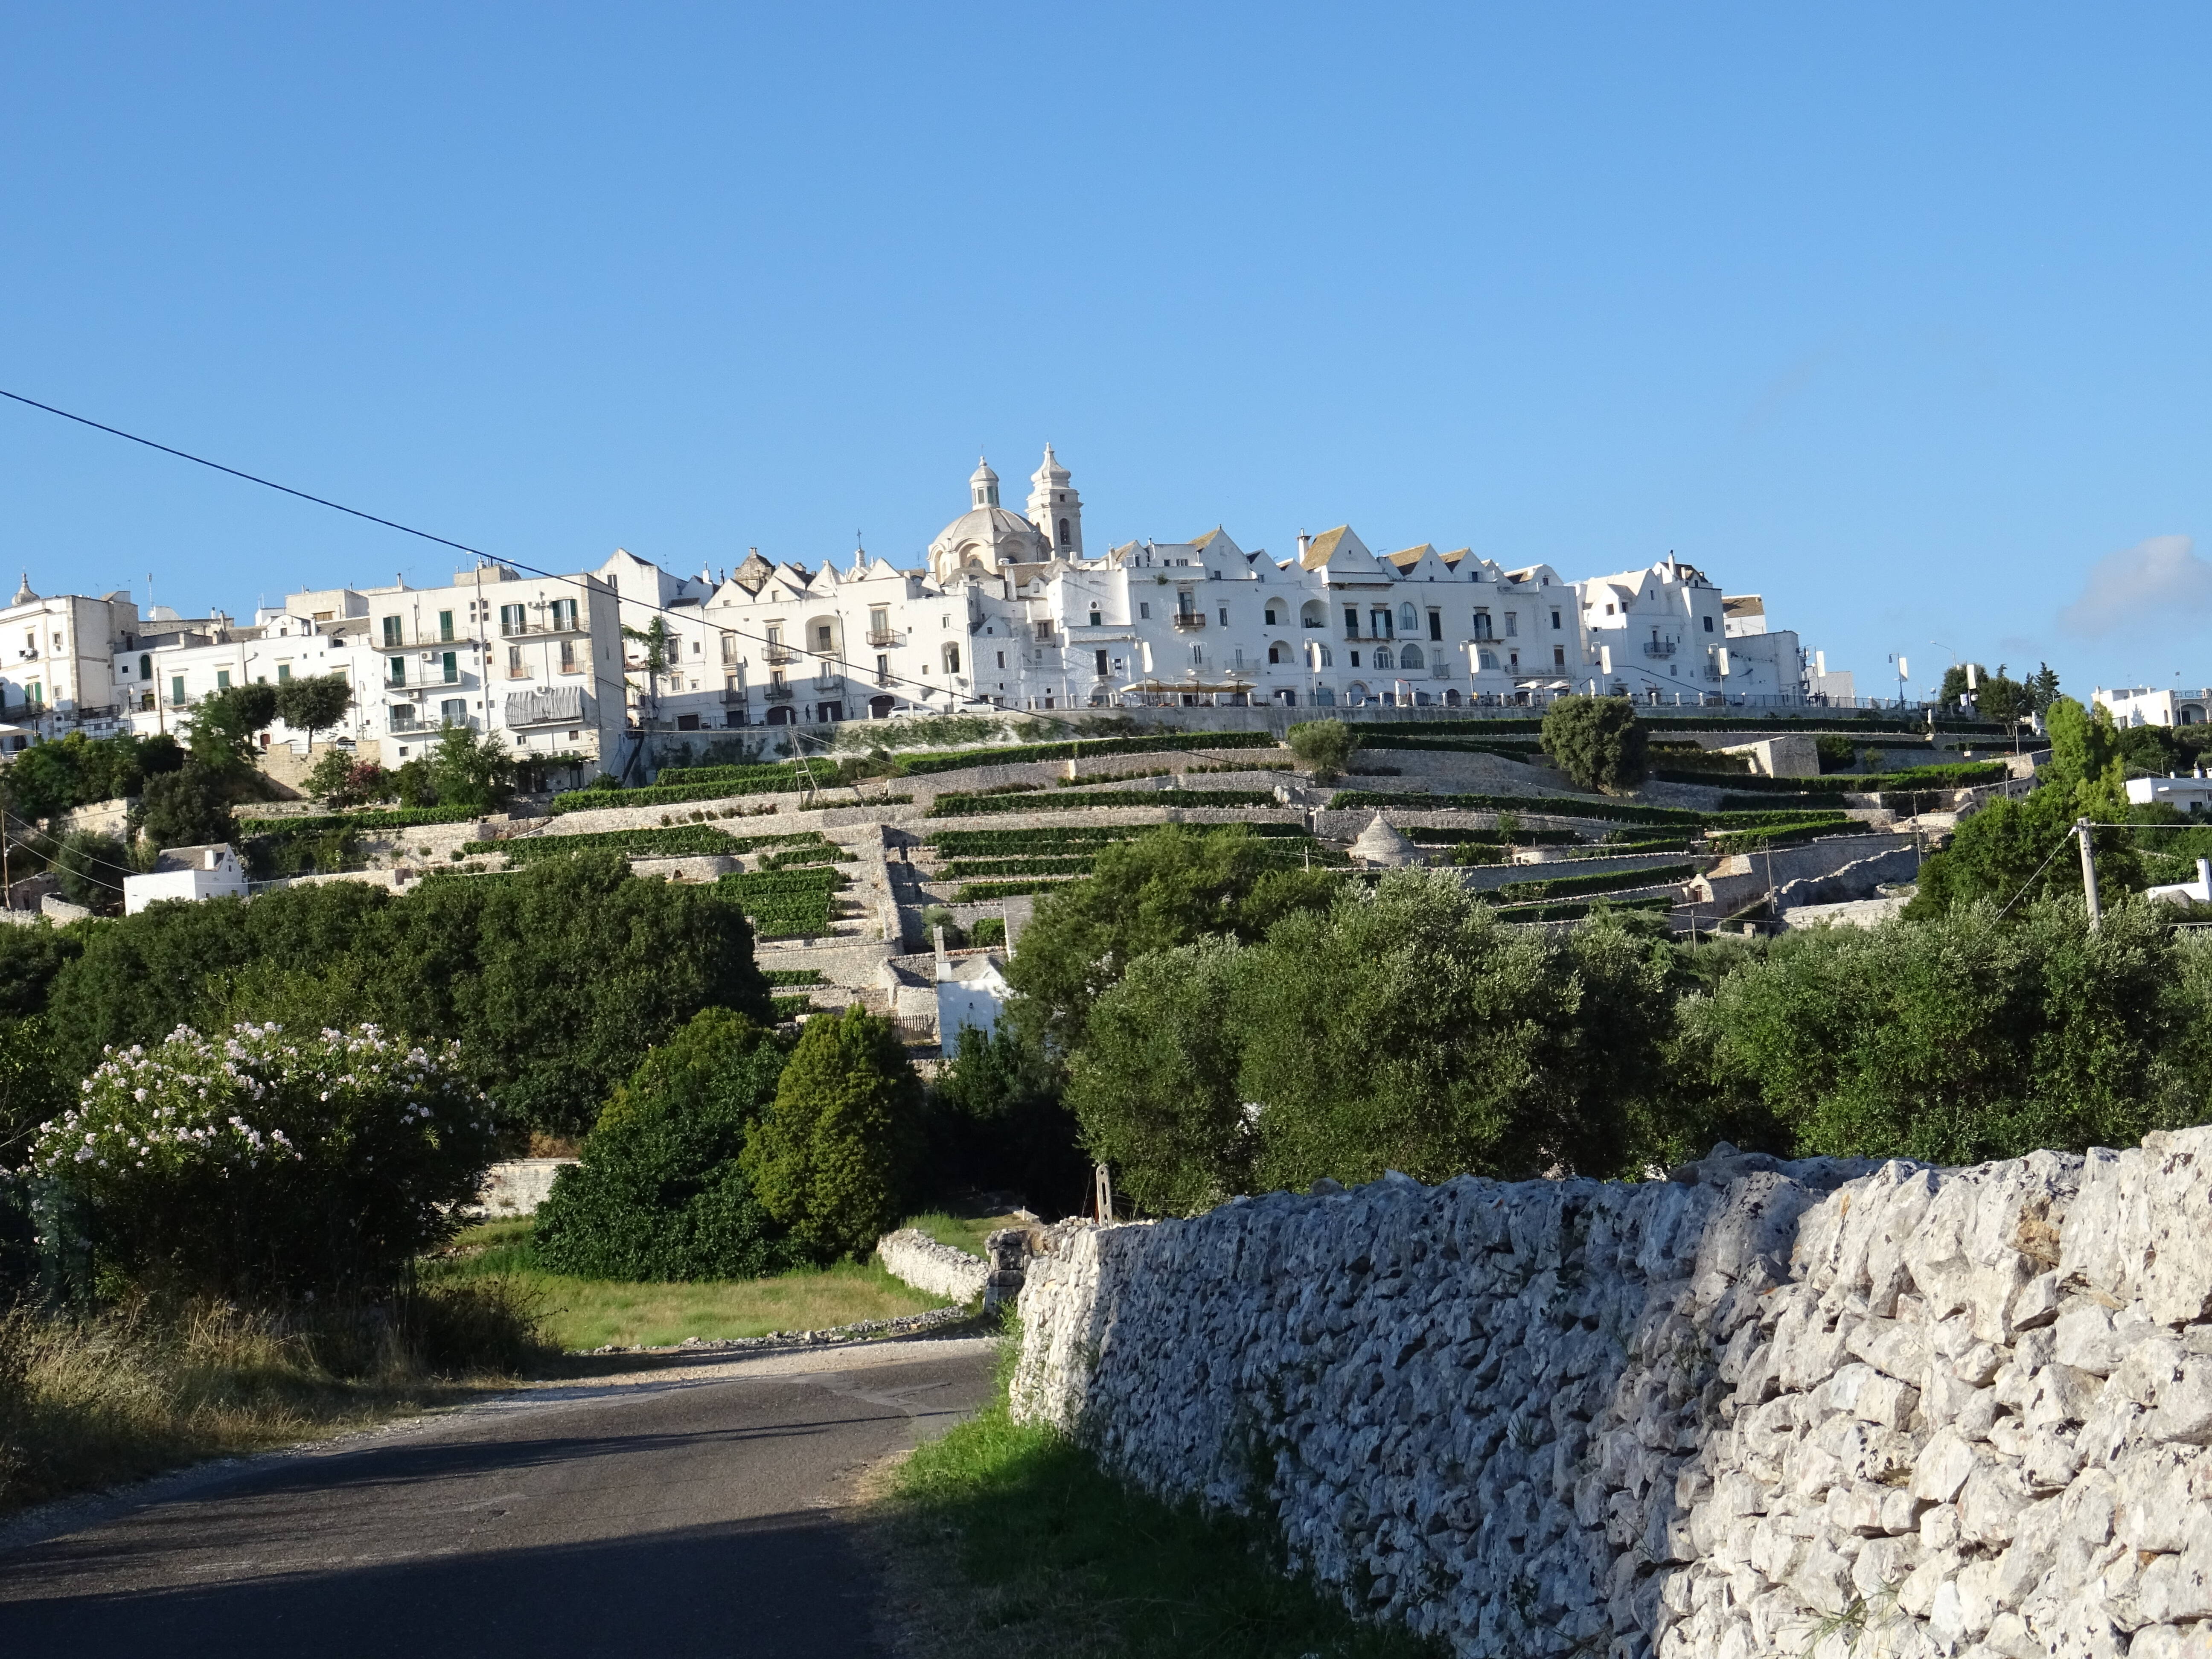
(1330, 543)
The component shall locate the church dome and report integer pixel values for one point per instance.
(988, 536)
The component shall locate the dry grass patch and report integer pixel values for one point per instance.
(88, 1403)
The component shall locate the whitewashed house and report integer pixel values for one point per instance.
(2152, 705)
(188, 874)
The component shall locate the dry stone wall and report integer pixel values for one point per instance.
(912, 1255)
(1760, 1407)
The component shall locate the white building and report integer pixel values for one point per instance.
(2150, 705)
(2190, 794)
(1668, 634)
(1002, 610)
(186, 873)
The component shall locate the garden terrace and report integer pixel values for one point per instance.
(787, 903)
(1603, 881)
(1585, 807)
(678, 840)
(398, 817)
(967, 806)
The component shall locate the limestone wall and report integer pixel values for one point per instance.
(1758, 1408)
(920, 1261)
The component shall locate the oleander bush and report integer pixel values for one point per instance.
(260, 1162)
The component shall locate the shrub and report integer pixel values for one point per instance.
(189, 807)
(835, 1158)
(263, 1163)
(1596, 741)
(658, 1193)
(92, 868)
(1326, 746)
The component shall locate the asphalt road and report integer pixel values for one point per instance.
(688, 1510)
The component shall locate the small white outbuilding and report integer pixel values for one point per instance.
(190, 873)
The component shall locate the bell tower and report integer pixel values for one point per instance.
(1055, 508)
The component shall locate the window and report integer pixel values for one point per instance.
(514, 619)
(1608, 611)
(1559, 654)
(1408, 621)
(1094, 616)
(822, 636)
(283, 673)
(696, 647)
(1274, 621)
(222, 679)
(1044, 631)
(450, 663)
(883, 671)
(1555, 620)
(1355, 660)
(145, 668)
(1486, 659)
(1382, 657)
(951, 658)
(567, 656)
(514, 668)
(1065, 540)
(1099, 659)
(729, 647)
(1144, 609)
(1002, 660)
(1224, 615)
(1378, 622)
(403, 718)
(1274, 653)
(1482, 625)
(1410, 657)
(563, 613)
(1197, 654)
(1435, 624)
(1512, 623)
(392, 630)
(177, 688)
(1709, 625)
(454, 711)
(1351, 623)
(1322, 657)
(445, 624)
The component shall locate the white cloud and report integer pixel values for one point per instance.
(2154, 583)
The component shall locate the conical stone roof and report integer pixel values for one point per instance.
(1380, 843)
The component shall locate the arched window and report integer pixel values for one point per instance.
(951, 658)
(1274, 621)
(1382, 656)
(1410, 657)
(1409, 621)
(1094, 616)
(1487, 658)
(1274, 653)
(1065, 538)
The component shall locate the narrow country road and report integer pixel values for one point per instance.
(682, 1511)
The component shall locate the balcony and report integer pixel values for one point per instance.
(1189, 621)
(881, 637)
(733, 696)
(777, 656)
(828, 682)
(1658, 648)
(777, 693)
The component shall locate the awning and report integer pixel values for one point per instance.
(552, 705)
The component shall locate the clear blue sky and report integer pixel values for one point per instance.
(1896, 314)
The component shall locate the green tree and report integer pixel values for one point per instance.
(1996, 697)
(415, 782)
(2042, 688)
(473, 770)
(1167, 888)
(1326, 746)
(1412, 1030)
(1958, 1039)
(1597, 742)
(658, 1193)
(92, 868)
(834, 1158)
(338, 780)
(314, 704)
(223, 725)
(555, 980)
(186, 808)
(1155, 1085)
(999, 1123)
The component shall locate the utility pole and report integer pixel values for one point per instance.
(2089, 874)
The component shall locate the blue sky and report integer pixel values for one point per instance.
(1896, 314)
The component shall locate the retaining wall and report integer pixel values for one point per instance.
(1758, 1408)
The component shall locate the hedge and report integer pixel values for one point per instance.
(1047, 838)
(788, 903)
(1657, 875)
(1748, 841)
(1019, 754)
(1962, 776)
(678, 840)
(1578, 909)
(1566, 807)
(398, 817)
(790, 1007)
(793, 975)
(979, 892)
(1072, 864)
(955, 806)
(1427, 836)
(587, 800)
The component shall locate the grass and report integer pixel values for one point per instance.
(88, 1403)
(589, 1313)
(960, 1232)
(1005, 1538)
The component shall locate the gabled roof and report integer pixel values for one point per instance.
(1332, 544)
(1217, 540)
(1408, 558)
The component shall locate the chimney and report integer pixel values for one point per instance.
(214, 856)
(944, 962)
(1304, 539)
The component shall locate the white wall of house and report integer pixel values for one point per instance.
(2151, 705)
